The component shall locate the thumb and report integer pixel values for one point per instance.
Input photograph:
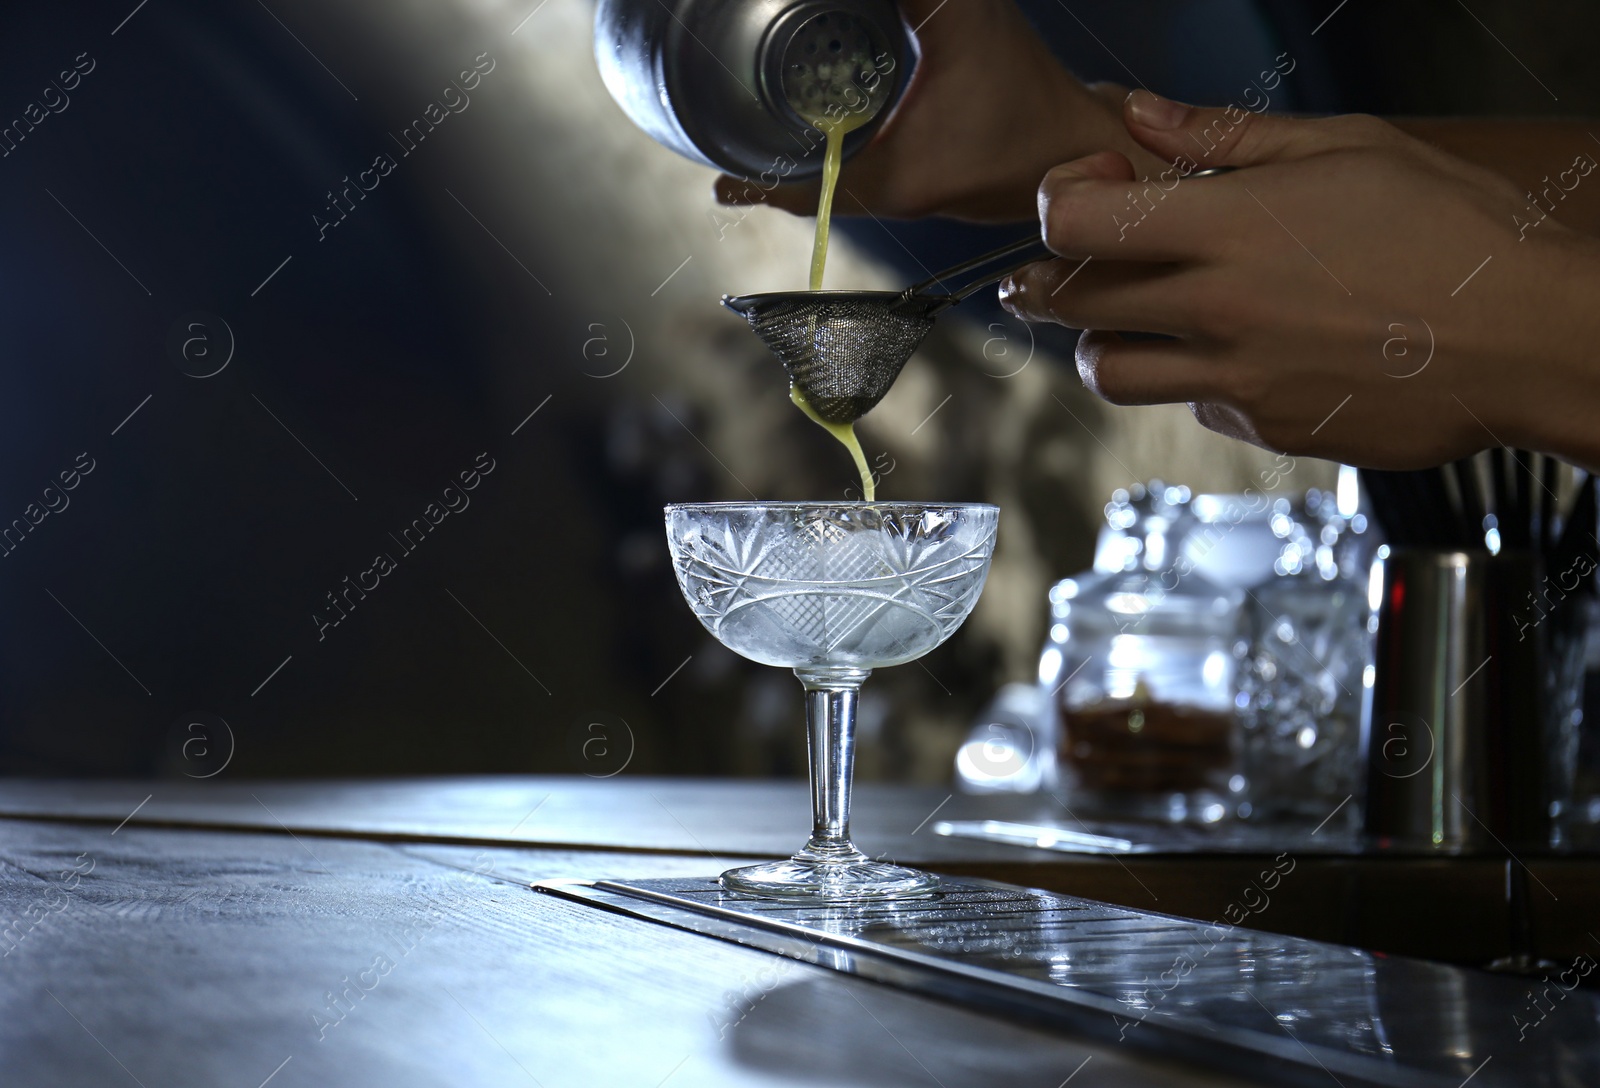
(1231, 136)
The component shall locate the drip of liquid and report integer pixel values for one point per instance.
(835, 129)
(845, 433)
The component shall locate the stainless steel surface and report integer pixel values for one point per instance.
(1453, 749)
(817, 59)
(1285, 1010)
(1042, 836)
(704, 78)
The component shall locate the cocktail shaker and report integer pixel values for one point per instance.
(738, 84)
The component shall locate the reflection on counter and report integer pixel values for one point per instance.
(1269, 1008)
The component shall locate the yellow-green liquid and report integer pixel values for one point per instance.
(835, 129)
(845, 433)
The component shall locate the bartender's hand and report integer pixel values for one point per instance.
(988, 111)
(1350, 293)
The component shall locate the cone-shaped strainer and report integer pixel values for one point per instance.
(844, 349)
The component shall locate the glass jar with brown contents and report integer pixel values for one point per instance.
(1141, 663)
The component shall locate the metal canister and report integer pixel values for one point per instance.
(736, 84)
(1453, 746)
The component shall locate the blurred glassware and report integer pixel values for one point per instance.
(1302, 684)
(1139, 665)
(1567, 653)
(1584, 825)
(1231, 541)
(1011, 746)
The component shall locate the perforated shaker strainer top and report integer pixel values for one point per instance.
(832, 66)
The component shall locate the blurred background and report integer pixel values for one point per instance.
(246, 356)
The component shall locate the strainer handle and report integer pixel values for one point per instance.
(1023, 252)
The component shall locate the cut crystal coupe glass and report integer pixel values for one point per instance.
(832, 591)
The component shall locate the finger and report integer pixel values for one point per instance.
(799, 197)
(1145, 372)
(1232, 136)
(1095, 207)
(1228, 421)
(1090, 294)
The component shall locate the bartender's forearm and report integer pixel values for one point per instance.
(1554, 161)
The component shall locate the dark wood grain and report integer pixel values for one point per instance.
(211, 958)
(1348, 900)
(731, 817)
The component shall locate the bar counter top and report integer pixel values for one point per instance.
(387, 932)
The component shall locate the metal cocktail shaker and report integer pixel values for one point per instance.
(736, 84)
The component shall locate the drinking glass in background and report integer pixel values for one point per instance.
(1584, 825)
(1304, 677)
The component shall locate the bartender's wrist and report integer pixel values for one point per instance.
(1553, 382)
(1074, 119)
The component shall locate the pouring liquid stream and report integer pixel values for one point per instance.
(835, 129)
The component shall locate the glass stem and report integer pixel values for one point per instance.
(831, 696)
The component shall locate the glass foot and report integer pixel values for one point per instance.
(849, 879)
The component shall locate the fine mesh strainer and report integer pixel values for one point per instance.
(844, 349)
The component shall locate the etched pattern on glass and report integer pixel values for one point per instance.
(862, 587)
(832, 591)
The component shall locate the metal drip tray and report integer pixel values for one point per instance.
(1271, 1008)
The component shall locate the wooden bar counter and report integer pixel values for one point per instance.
(385, 933)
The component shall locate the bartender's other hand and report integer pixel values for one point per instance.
(988, 111)
(1350, 293)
